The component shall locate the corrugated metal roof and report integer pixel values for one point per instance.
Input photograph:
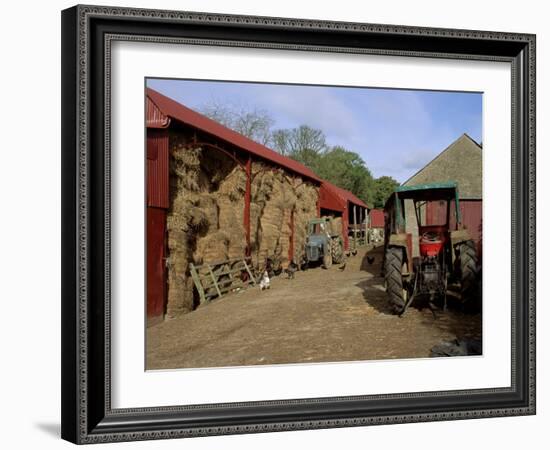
(183, 114)
(154, 118)
(341, 194)
(328, 199)
(377, 218)
(347, 195)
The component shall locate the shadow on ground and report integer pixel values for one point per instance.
(463, 325)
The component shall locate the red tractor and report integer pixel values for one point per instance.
(439, 256)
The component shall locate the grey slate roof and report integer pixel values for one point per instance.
(461, 162)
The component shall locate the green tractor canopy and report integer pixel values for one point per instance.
(395, 205)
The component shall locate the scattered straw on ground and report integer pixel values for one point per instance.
(320, 316)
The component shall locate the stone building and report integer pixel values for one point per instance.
(461, 162)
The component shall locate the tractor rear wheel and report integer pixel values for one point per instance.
(468, 275)
(394, 279)
(337, 250)
(327, 259)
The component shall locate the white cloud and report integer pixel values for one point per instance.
(417, 159)
(317, 107)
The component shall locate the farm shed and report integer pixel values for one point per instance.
(337, 202)
(376, 225)
(461, 162)
(215, 195)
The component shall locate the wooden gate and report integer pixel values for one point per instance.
(219, 278)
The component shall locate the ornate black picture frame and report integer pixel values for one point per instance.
(87, 33)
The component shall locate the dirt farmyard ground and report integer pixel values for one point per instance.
(319, 316)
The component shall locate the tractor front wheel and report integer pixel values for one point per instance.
(394, 279)
(468, 275)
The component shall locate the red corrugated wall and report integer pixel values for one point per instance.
(472, 219)
(377, 218)
(154, 117)
(158, 202)
(156, 276)
(157, 169)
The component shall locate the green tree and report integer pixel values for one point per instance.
(383, 187)
(347, 170)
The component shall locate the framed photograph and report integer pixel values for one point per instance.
(279, 224)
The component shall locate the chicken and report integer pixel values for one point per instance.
(342, 267)
(370, 259)
(265, 282)
(291, 269)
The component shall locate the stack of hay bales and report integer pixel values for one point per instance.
(184, 221)
(336, 225)
(307, 195)
(205, 219)
(276, 195)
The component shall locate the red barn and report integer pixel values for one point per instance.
(213, 194)
(335, 201)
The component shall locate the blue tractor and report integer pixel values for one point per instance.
(322, 244)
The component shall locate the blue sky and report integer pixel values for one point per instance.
(395, 131)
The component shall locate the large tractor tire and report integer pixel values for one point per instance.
(327, 259)
(337, 250)
(468, 276)
(394, 279)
